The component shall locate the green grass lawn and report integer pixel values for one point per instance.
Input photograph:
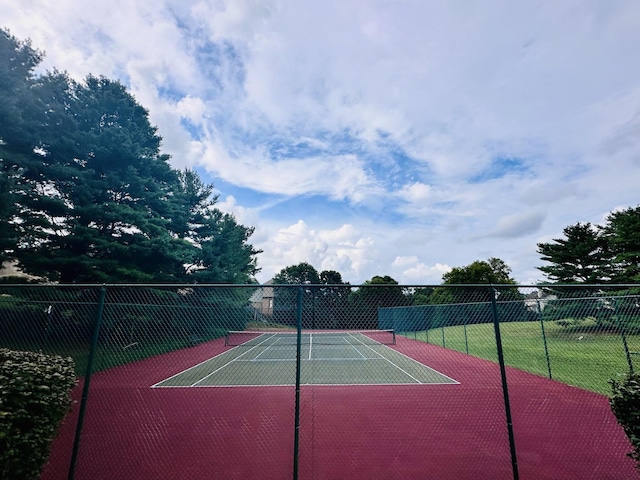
(585, 358)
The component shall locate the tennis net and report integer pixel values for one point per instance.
(338, 337)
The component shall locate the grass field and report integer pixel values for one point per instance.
(584, 358)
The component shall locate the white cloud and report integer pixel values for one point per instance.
(396, 112)
(191, 108)
(343, 249)
(421, 273)
(404, 261)
(518, 224)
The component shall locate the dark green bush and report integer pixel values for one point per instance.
(34, 398)
(625, 404)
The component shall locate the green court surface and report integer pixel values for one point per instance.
(269, 359)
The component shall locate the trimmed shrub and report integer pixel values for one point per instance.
(625, 404)
(34, 398)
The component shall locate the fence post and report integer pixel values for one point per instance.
(466, 338)
(622, 334)
(544, 339)
(505, 390)
(87, 381)
(296, 435)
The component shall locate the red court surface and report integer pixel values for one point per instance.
(447, 432)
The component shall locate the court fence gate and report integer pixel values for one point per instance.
(334, 381)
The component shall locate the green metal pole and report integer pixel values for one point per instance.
(623, 335)
(87, 381)
(296, 436)
(466, 338)
(544, 339)
(505, 389)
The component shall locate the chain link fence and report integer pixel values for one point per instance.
(334, 381)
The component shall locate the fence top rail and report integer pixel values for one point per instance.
(594, 286)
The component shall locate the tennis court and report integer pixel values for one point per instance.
(196, 404)
(412, 431)
(327, 358)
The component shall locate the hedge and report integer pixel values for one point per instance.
(34, 398)
(625, 404)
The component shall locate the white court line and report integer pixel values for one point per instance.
(354, 347)
(414, 361)
(332, 359)
(230, 362)
(397, 366)
(310, 343)
(274, 344)
(351, 359)
(202, 363)
(290, 385)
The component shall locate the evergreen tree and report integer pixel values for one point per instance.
(223, 254)
(622, 234)
(102, 190)
(86, 195)
(582, 256)
(17, 131)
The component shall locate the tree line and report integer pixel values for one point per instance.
(87, 195)
(329, 302)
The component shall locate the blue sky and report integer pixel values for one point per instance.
(397, 138)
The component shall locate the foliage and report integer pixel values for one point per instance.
(592, 255)
(622, 232)
(493, 271)
(87, 196)
(382, 291)
(332, 300)
(17, 61)
(300, 274)
(422, 295)
(625, 404)
(379, 292)
(582, 256)
(324, 299)
(34, 398)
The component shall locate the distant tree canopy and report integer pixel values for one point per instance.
(493, 270)
(596, 254)
(382, 291)
(86, 195)
(300, 274)
(323, 305)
